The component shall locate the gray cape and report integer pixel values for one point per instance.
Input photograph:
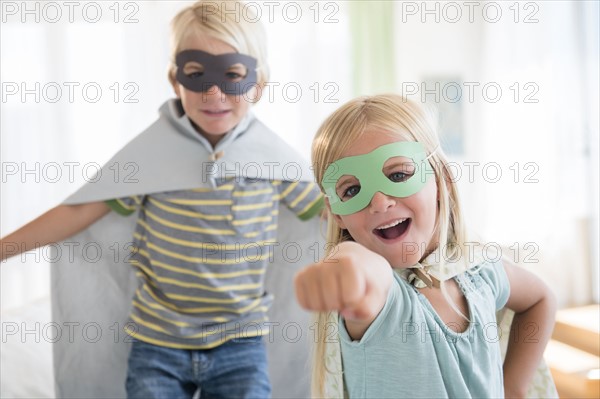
(92, 285)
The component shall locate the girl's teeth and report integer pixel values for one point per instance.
(387, 226)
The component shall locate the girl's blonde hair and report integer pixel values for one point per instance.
(232, 22)
(397, 116)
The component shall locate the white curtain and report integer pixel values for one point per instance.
(73, 93)
(519, 81)
(553, 137)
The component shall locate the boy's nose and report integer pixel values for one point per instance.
(214, 90)
(381, 202)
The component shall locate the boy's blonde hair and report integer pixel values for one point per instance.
(397, 116)
(229, 21)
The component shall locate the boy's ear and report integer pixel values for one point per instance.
(256, 92)
(176, 88)
(174, 83)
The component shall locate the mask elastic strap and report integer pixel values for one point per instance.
(437, 147)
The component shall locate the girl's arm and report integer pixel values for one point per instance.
(535, 307)
(53, 226)
(352, 280)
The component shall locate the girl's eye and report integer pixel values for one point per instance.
(399, 169)
(350, 192)
(398, 177)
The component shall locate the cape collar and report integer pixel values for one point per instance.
(171, 155)
(430, 271)
(172, 110)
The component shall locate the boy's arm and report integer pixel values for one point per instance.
(535, 307)
(55, 225)
(302, 198)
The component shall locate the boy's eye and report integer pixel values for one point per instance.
(193, 70)
(195, 75)
(234, 76)
(236, 72)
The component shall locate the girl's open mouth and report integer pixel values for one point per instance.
(393, 230)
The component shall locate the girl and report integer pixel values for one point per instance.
(206, 226)
(416, 308)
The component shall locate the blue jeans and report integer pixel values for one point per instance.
(236, 369)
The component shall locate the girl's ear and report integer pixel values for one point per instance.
(337, 218)
(449, 180)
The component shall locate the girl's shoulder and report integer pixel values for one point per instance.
(488, 275)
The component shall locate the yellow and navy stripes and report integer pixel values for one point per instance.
(201, 257)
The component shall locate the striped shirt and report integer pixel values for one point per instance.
(201, 256)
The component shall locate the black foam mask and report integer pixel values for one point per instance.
(233, 73)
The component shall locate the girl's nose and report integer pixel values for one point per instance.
(381, 202)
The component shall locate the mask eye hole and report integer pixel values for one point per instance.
(399, 169)
(193, 69)
(347, 187)
(236, 73)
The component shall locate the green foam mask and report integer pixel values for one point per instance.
(398, 169)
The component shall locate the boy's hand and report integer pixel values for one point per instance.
(352, 280)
